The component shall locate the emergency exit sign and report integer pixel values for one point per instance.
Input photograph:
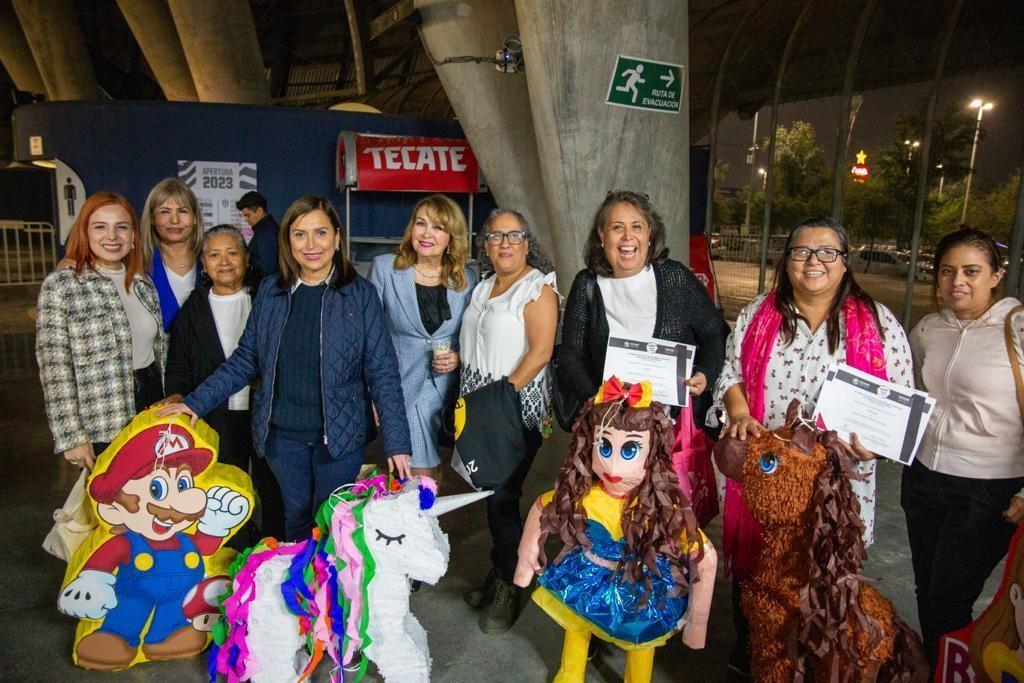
(646, 84)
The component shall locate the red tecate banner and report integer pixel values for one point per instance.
(406, 164)
(700, 263)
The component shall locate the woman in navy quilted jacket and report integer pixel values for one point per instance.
(319, 344)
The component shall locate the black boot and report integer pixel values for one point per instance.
(503, 610)
(482, 595)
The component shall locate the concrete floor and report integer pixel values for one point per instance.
(35, 640)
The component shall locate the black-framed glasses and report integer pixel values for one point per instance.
(496, 238)
(824, 254)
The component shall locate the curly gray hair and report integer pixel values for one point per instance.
(536, 257)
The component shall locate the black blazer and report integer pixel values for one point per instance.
(685, 314)
(195, 351)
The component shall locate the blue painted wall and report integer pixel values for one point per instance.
(128, 147)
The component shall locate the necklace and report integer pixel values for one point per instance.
(430, 276)
(176, 266)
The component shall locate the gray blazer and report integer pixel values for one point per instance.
(424, 390)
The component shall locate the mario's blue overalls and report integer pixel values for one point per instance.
(153, 581)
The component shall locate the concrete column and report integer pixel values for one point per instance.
(223, 53)
(153, 27)
(587, 147)
(16, 54)
(493, 108)
(55, 39)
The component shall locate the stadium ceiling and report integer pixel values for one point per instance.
(317, 53)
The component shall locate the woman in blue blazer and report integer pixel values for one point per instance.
(318, 342)
(425, 287)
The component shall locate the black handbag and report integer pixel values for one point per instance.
(565, 402)
(490, 443)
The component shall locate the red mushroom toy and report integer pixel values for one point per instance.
(202, 603)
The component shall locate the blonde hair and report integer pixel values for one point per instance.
(446, 215)
(169, 188)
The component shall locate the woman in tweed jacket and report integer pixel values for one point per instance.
(425, 287)
(99, 339)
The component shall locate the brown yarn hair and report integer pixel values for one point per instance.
(656, 513)
(446, 215)
(835, 557)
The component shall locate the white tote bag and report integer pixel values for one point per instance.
(72, 523)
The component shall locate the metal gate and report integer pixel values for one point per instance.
(28, 252)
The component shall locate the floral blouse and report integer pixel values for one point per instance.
(798, 370)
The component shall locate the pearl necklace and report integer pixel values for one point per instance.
(426, 275)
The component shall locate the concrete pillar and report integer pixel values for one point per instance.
(16, 54)
(223, 53)
(153, 27)
(587, 147)
(493, 108)
(55, 39)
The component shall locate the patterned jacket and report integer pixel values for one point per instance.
(84, 350)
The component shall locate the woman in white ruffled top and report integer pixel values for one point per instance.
(508, 330)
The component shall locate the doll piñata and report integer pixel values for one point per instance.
(634, 568)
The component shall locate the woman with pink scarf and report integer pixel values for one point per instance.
(782, 345)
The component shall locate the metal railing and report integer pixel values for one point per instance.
(28, 251)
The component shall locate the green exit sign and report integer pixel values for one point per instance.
(646, 84)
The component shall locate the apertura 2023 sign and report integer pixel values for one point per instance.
(406, 164)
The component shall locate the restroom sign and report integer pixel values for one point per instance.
(646, 84)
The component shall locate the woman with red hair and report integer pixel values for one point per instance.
(100, 343)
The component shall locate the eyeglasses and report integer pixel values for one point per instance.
(824, 254)
(496, 238)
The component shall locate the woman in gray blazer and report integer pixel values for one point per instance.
(425, 287)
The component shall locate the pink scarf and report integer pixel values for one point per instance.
(864, 350)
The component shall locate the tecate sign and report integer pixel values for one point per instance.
(406, 164)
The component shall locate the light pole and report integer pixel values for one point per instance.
(942, 178)
(764, 178)
(982, 107)
(751, 158)
(911, 146)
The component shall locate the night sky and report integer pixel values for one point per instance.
(999, 152)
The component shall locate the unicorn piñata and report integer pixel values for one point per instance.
(347, 586)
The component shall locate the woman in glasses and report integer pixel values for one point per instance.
(630, 287)
(782, 345)
(508, 333)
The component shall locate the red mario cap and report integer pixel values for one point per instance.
(169, 445)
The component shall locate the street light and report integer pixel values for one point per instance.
(982, 107)
(942, 177)
(911, 146)
(764, 178)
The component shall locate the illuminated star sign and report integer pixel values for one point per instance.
(862, 158)
(860, 170)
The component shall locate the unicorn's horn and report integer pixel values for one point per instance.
(448, 503)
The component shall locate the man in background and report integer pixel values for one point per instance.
(263, 245)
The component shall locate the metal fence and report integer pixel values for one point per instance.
(28, 251)
(880, 269)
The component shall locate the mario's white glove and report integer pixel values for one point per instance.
(90, 596)
(225, 509)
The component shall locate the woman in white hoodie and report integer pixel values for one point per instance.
(963, 495)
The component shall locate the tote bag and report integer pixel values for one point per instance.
(691, 460)
(72, 522)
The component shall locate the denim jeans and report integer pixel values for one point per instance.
(307, 476)
(957, 537)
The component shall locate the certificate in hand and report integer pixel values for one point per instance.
(666, 364)
(889, 419)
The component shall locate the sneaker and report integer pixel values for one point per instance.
(482, 595)
(503, 610)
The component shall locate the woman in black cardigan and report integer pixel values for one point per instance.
(205, 332)
(630, 286)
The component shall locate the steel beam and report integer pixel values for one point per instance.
(780, 77)
(394, 15)
(359, 32)
(716, 99)
(924, 156)
(843, 129)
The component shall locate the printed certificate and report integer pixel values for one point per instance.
(666, 364)
(889, 419)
